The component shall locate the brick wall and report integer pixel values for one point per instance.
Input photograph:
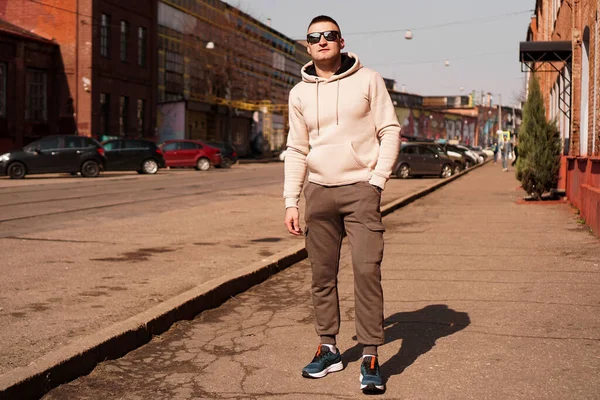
(58, 22)
(75, 26)
(572, 19)
(120, 78)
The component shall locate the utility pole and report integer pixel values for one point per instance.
(499, 111)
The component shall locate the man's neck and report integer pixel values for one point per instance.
(328, 69)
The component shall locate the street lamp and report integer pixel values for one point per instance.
(210, 45)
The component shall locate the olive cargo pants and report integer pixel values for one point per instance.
(330, 211)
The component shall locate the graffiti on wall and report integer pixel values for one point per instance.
(171, 121)
(436, 125)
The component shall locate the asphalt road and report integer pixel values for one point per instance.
(78, 255)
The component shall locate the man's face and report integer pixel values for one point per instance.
(324, 50)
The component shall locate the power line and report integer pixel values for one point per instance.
(442, 25)
(60, 8)
(472, 56)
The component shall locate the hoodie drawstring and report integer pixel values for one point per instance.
(337, 104)
(318, 126)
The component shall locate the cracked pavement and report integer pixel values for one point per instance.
(67, 273)
(484, 299)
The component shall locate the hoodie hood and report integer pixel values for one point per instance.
(350, 64)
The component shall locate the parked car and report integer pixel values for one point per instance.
(470, 158)
(228, 154)
(470, 153)
(190, 153)
(422, 159)
(52, 154)
(459, 160)
(140, 155)
(479, 152)
(489, 151)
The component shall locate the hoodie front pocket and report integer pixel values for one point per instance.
(334, 164)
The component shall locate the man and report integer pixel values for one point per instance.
(515, 150)
(344, 131)
(506, 150)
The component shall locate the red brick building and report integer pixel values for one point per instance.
(562, 46)
(108, 49)
(31, 73)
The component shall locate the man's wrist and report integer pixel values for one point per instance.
(378, 181)
(377, 188)
(291, 202)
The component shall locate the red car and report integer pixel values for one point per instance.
(190, 153)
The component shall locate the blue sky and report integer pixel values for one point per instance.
(483, 54)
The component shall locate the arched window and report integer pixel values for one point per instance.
(585, 93)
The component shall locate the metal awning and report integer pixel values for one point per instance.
(552, 56)
(545, 52)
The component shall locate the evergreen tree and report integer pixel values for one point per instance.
(539, 146)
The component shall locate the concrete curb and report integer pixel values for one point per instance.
(81, 357)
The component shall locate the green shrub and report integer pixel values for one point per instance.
(538, 164)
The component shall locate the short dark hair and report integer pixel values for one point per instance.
(325, 18)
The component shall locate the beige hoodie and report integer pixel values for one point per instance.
(343, 130)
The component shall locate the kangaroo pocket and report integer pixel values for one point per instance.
(335, 164)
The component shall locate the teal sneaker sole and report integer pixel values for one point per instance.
(316, 375)
(371, 388)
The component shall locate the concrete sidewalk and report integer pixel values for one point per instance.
(485, 299)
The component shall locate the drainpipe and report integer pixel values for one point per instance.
(77, 67)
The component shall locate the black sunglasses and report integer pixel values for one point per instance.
(315, 37)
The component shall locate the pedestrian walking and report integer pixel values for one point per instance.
(344, 131)
(515, 150)
(506, 149)
(495, 152)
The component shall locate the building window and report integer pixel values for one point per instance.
(174, 73)
(123, 114)
(2, 90)
(124, 39)
(142, 46)
(141, 116)
(104, 113)
(105, 35)
(36, 96)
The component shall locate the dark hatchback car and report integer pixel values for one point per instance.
(421, 159)
(228, 154)
(143, 156)
(52, 154)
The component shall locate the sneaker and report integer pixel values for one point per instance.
(370, 378)
(325, 361)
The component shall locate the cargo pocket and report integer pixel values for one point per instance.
(375, 226)
(371, 243)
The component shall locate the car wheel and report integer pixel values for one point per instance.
(150, 166)
(226, 163)
(90, 169)
(467, 164)
(446, 171)
(203, 164)
(403, 171)
(456, 169)
(17, 170)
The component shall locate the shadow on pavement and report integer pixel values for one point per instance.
(419, 330)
